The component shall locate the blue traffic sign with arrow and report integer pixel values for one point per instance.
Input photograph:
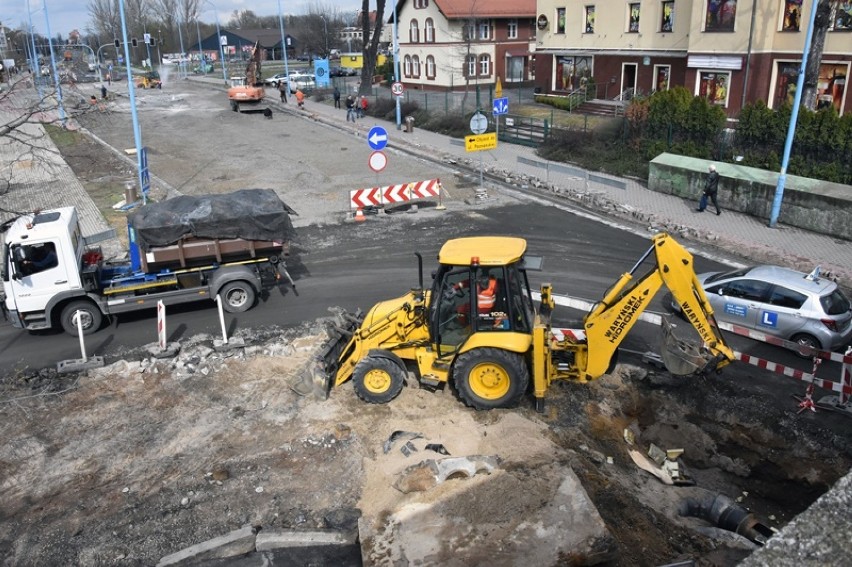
(377, 138)
(501, 105)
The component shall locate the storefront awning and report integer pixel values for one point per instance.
(610, 52)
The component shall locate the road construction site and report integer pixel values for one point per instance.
(211, 456)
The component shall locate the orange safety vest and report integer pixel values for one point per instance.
(486, 297)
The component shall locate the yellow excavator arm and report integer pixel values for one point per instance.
(609, 321)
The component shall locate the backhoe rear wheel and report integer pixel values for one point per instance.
(377, 380)
(489, 378)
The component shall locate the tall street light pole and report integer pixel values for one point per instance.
(283, 39)
(219, 41)
(396, 67)
(325, 34)
(201, 64)
(794, 116)
(34, 66)
(131, 90)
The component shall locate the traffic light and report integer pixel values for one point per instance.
(117, 43)
(133, 42)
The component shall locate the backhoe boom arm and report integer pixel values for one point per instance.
(609, 321)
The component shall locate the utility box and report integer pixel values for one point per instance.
(409, 124)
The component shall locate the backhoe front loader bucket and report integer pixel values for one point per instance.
(317, 377)
(683, 357)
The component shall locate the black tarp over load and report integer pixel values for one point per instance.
(250, 214)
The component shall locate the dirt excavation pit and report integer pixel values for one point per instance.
(147, 457)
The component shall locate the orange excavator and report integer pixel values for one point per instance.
(244, 90)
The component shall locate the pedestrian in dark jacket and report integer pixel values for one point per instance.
(336, 97)
(350, 108)
(711, 187)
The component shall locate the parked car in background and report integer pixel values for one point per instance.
(303, 82)
(274, 79)
(803, 308)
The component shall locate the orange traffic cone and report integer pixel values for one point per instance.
(359, 216)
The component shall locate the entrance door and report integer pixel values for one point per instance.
(629, 72)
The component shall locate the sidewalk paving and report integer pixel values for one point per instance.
(734, 232)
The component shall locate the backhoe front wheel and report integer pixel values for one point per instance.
(377, 380)
(489, 378)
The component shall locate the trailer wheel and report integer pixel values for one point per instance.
(489, 378)
(377, 380)
(237, 297)
(90, 317)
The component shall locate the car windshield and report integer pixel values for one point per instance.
(725, 275)
(835, 303)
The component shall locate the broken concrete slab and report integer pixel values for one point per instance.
(233, 544)
(79, 364)
(444, 526)
(430, 473)
(277, 539)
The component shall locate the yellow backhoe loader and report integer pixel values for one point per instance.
(479, 327)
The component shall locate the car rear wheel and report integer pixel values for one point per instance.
(804, 340)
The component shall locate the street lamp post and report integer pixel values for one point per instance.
(201, 64)
(131, 91)
(283, 40)
(56, 78)
(219, 41)
(181, 62)
(325, 34)
(396, 67)
(34, 66)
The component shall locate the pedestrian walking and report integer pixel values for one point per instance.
(363, 106)
(336, 97)
(350, 108)
(103, 92)
(282, 90)
(711, 187)
(300, 98)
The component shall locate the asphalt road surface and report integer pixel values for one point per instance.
(201, 146)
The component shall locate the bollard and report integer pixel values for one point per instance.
(80, 334)
(222, 319)
(161, 324)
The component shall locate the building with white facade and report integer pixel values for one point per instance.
(450, 44)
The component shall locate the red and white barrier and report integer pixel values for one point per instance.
(394, 194)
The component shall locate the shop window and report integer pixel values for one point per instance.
(662, 77)
(713, 86)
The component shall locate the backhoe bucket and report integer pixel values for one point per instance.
(683, 357)
(316, 379)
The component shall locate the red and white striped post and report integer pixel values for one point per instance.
(845, 380)
(161, 323)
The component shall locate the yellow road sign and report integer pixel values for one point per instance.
(480, 142)
(498, 89)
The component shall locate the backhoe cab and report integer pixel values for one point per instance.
(479, 327)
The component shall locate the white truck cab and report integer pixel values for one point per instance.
(42, 261)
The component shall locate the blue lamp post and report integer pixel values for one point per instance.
(219, 41)
(131, 88)
(283, 39)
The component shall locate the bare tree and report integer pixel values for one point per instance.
(22, 140)
(243, 19)
(371, 45)
(822, 22)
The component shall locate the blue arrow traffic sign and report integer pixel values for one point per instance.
(377, 138)
(501, 105)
